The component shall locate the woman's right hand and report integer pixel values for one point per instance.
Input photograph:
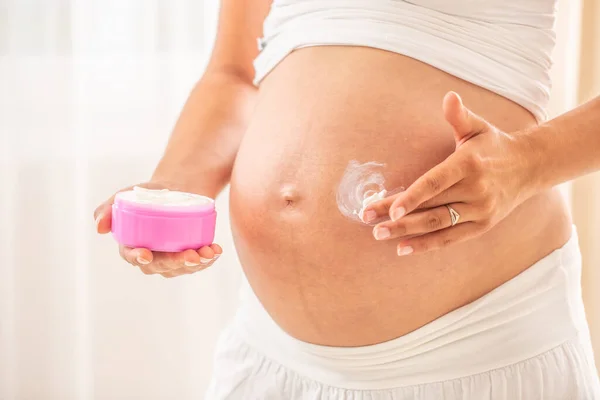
(168, 265)
(198, 159)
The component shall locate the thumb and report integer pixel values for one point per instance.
(465, 123)
(103, 214)
(103, 217)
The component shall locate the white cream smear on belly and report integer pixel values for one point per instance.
(163, 197)
(361, 185)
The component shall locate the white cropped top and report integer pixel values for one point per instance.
(502, 45)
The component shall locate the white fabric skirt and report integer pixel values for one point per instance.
(526, 340)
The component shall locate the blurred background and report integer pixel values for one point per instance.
(89, 91)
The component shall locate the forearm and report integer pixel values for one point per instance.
(567, 146)
(204, 143)
(206, 138)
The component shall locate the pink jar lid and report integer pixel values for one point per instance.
(163, 220)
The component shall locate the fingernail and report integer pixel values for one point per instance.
(402, 251)
(191, 264)
(97, 220)
(142, 261)
(205, 260)
(381, 233)
(369, 216)
(216, 256)
(398, 213)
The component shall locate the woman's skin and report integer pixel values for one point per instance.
(479, 181)
(202, 148)
(323, 278)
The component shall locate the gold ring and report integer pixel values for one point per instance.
(454, 215)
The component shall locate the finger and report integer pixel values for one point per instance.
(189, 268)
(458, 193)
(187, 261)
(122, 250)
(465, 123)
(102, 214)
(426, 187)
(141, 258)
(135, 256)
(107, 204)
(191, 258)
(207, 255)
(421, 222)
(439, 239)
(103, 218)
(147, 270)
(155, 267)
(217, 249)
(380, 209)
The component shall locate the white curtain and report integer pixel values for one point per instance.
(89, 91)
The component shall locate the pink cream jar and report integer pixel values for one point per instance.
(163, 220)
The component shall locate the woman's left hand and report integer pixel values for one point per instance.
(488, 175)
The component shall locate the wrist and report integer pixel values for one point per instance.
(525, 165)
(199, 179)
(531, 154)
(202, 148)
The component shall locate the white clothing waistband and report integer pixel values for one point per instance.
(536, 311)
(503, 46)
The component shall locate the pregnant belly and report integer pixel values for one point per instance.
(321, 276)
